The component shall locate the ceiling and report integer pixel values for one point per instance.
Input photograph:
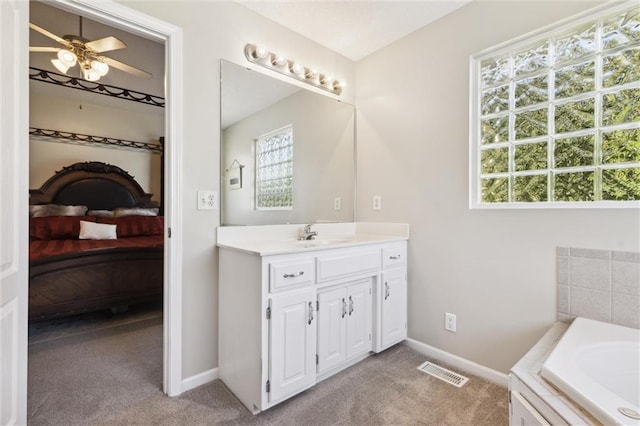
(354, 28)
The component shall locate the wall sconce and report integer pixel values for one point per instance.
(261, 56)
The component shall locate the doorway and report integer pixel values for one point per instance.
(128, 20)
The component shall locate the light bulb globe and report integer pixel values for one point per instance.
(60, 66)
(99, 67)
(67, 57)
(90, 74)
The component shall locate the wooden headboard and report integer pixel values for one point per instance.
(94, 184)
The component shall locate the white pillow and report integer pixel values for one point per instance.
(97, 231)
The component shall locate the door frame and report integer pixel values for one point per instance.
(130, 20)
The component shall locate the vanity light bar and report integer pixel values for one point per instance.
(261, 56)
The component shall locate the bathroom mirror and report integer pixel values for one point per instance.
(305, 169)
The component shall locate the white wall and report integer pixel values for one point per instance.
(323, 134)
(214, 31)
(65, 111)
(495, 269)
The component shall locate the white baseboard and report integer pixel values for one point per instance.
(458, 362)
(199, 379)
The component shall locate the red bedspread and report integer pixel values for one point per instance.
(44, 248)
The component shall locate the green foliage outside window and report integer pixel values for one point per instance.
(564, 128)
(574, 186)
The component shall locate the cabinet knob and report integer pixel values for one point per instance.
(344, 307)
(350, 305)
(386, 290)
(310, 313)
(394, 257)
(299, 274)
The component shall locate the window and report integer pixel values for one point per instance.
(274, 170)
(555, 117)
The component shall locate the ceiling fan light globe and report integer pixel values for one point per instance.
(99, 67)
(90, 74)
(67, 57)
(60, 66)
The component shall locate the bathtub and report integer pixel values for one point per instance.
(597, 365)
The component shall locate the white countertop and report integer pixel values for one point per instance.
(282, 239)
(266, 248)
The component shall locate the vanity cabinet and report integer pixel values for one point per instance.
(292, 343)
(287, 320)
(393, 308)
(392, 300)
(344, 324)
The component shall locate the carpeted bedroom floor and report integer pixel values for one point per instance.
(110, 373)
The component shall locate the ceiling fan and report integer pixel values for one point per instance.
(85, 53)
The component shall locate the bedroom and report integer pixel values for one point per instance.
(469, 256)
(111, 144)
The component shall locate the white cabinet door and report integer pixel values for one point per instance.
(14, 185)
(332, 313)
(393, 307)
(359, 319)
(292, 343)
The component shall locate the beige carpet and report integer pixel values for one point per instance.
(114, 376)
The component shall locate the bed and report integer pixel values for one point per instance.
(73, 268)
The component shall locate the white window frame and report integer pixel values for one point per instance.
(517, 45)
(285, 129)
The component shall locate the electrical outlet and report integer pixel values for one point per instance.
(450, 322)
(377, 202)
(207, 200)
(337, 203)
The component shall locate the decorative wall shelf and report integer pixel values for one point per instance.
(81, 139)
(45, 76)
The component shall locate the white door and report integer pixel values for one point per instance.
(332, 313)
(292, 343)
(359, 319)
(394, 307)
(14, 113)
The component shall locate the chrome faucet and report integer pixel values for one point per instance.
(307, 233)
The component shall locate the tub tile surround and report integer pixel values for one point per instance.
(598, 284)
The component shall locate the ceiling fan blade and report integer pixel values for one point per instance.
(43, 49)
(106, 44)
(49, 34)
(124, 67)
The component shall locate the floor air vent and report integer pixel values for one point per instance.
(443, 374)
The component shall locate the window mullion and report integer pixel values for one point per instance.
(511, 137)
(597, 111)
(551, 122)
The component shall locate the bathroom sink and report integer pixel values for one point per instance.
(322, 242)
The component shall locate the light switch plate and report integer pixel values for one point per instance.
(207, 200)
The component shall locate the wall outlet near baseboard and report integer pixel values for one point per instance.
(450, 322)
(337, 203)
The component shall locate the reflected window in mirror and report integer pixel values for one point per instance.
(274, 170)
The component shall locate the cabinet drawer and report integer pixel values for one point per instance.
(336, 266)
(393, 257)
(285, 275)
